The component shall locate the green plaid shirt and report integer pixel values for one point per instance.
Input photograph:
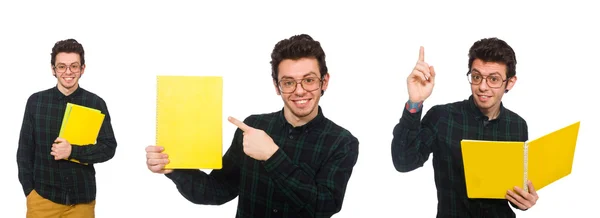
(440, 133)
(306, 177)
(60, 181)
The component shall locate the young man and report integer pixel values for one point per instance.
(54, 185)
(492, 72)
(291, 163)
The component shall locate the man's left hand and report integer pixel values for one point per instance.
(522, 199)
(257, 144)
(61, 149)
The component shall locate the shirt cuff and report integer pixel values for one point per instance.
(413, 107)
(411, 120)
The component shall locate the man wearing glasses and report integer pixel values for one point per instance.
(492, 72)
(290, 163)
(53, 185)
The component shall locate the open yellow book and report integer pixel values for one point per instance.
(494, 167)
(189, 121)
(81, 125)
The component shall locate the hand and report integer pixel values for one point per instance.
(420, 81)
(156, 160)
(524, 200)
(257, 144)
(61, 149)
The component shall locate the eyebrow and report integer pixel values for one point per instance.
(477, 71)
(68, 64)
(305, 75)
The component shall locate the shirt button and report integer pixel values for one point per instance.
(275, 210)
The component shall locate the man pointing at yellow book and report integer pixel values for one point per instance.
(492, 73)
(57, 174)
(291, 163)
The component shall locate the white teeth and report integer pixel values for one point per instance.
(301, 102)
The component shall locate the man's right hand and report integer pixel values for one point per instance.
(156, 160)
(420, 81)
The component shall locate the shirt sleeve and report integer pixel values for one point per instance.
(105, 147)
(216, 188)
(413, 139)
(320, 195)
(26, 149)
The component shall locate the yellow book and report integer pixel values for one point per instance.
(189, 121)
(81, 125)
(493, 167)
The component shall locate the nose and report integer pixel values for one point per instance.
(299, 90)
(68, 71)
(483, 86)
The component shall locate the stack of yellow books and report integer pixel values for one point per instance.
(81, 125)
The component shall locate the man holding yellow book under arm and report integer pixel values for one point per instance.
(53, 185)
(291, 163)
(491, 74)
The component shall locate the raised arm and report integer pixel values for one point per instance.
(413, 139)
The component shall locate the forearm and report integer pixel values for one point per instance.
(200, 188)
(310, 195)
(90, 154)
(409, 150)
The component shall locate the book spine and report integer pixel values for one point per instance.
(525, 166)
(157, 110)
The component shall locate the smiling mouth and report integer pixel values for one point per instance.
(301, 103)
(68, 79)
(484, 97)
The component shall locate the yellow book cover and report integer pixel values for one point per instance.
(189, 121)
(493, 167)
(81, 125)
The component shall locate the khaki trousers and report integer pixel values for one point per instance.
(39, 207)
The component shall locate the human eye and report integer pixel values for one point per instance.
(288, 83)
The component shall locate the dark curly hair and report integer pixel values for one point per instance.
(494, 50)
(68, 46)
(297, 47)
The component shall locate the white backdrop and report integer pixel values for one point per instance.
(371, 48)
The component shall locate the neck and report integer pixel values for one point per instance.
(299, 121)
(67, 91)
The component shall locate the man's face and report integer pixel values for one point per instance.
(488, 94)
(68, 70)
(300, 87)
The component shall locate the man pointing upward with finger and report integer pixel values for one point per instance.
(492, 72)
(290, 163)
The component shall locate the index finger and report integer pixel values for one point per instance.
(422, 54)
(239, 124)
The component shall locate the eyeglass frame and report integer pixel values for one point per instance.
(486, 81)
(301, 84)
(69, 68)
